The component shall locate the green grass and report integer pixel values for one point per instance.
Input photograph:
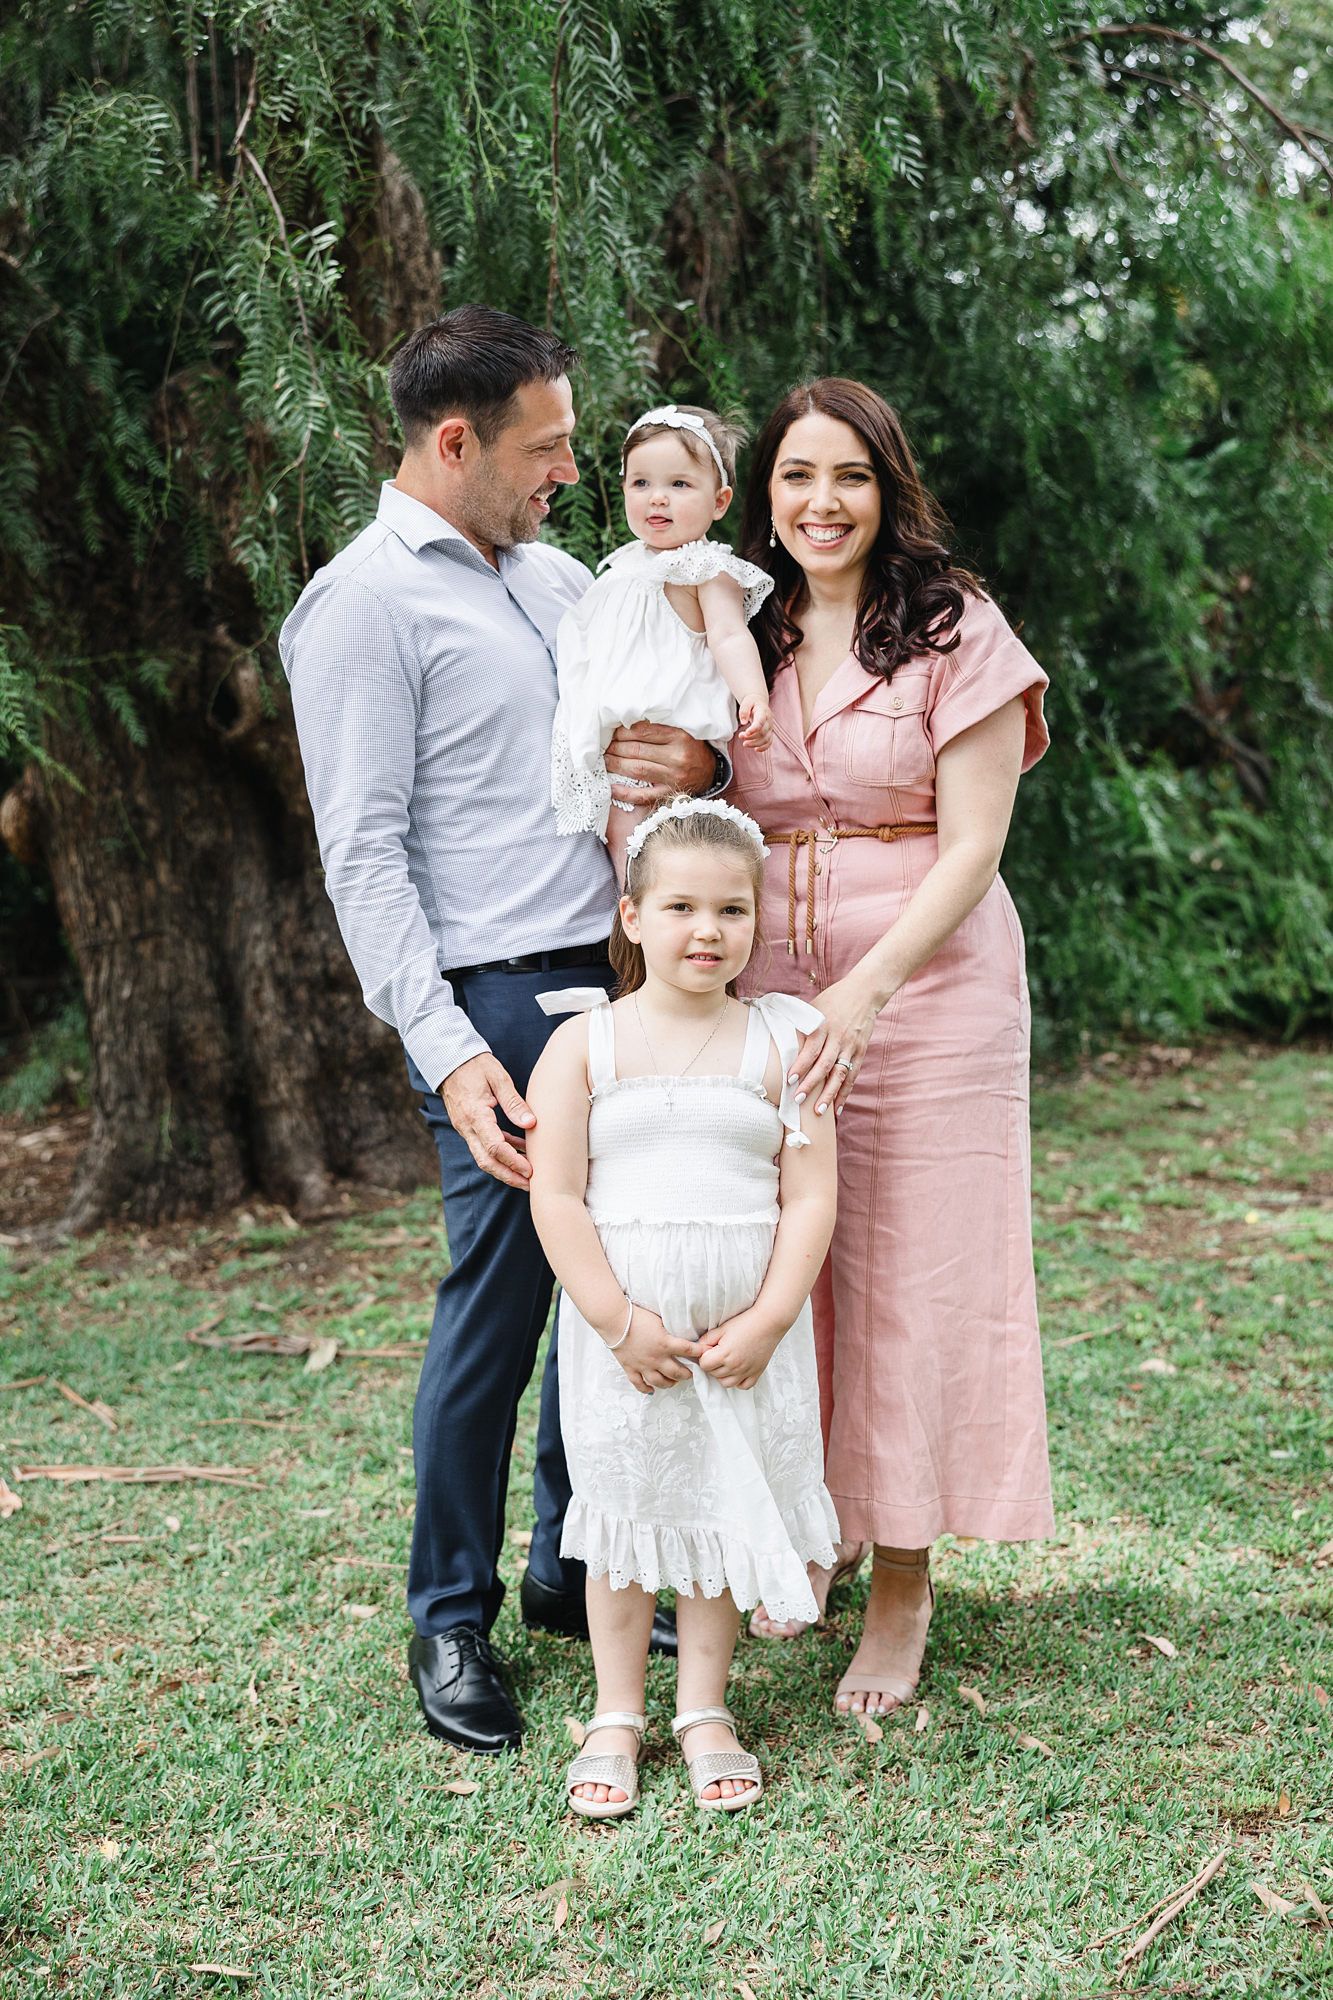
(239, 1776)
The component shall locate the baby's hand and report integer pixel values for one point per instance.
(737, 1352)
(756, 725)
(648, 1354)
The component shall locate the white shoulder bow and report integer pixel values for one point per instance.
(574, 1000)
(786, 1019)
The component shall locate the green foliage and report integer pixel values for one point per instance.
(1093, 270)
(54, 1067)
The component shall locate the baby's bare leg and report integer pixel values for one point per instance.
(619, 827)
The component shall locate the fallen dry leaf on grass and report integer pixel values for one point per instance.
(11, 1763)
(714, 1931)
(521, 1537)
(561, 1914)
(205, 1326)
(322, 1354)
(874, 1734)
(922, 1719)
(1320, 1909)
(361, 1610)
(223, 1971)
(1163, 1646)
(1173, 1909)
(746, 1991)
(1283, 1805)
(96, 1409)
(1320, 1694)
(462, 1788)
(9, 1501)
(142, 1475)
(576, 1731)
(975, 1696)
(1034, 1743)
(109, 1849)
(1279, 1905)
(253, 1693)
(1155, 1365)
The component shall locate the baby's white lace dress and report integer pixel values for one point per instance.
(723, 1488)
(623, 656)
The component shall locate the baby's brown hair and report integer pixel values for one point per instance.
(728, 437)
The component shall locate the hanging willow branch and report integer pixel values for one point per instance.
(1302, 135)
(553, 277)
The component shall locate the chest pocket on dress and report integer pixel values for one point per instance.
(753, 768)
(887, 742)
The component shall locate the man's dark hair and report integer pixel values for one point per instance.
(471, 364)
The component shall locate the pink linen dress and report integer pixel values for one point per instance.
(925, 1313)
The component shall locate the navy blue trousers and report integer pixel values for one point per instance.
(489, 1315)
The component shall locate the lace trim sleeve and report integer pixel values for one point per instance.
(700, 562)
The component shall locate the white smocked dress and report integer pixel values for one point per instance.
(723, 1488)
(623, 656)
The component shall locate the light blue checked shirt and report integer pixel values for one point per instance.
(424, 689)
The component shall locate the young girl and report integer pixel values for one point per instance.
(663, 636)
(687, 1237)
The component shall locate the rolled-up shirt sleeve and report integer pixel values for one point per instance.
(356, 694)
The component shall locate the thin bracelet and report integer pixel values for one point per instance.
(612, 1345)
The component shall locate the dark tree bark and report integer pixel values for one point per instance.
(230, 1045)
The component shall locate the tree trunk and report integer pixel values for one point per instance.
(230, 1044)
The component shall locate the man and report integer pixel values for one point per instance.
(421, 663)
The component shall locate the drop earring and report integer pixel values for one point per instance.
(772, 534)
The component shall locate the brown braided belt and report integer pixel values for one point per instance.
(810, 838)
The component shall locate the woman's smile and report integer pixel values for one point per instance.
(825, 533)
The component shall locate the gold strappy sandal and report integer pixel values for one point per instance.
(900, 1685)
(611, 1767)
(712, 1766)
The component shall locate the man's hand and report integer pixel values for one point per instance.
(471, 1093)
(666, 758)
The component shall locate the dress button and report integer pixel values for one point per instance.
(813, 980)
(897, 701)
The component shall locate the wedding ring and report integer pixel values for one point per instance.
(842, 1063)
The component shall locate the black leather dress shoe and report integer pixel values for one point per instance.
(565, 1613)
(463, 1699)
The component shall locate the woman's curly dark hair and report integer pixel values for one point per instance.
(912, 597)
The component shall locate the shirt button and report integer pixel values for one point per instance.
(813, 980)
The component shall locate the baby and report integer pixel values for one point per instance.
(663, 635)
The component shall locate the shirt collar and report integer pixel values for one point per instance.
(420, 527)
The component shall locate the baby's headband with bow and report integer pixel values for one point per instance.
(679, 420)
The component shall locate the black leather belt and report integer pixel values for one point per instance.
(537, 961)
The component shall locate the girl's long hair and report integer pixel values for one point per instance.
(699, 831)
(912, 597)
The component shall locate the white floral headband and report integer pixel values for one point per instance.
(690, 809)
(679, 420)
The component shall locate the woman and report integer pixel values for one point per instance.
(905, 710)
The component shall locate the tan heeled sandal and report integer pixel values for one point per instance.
(762, 1627)
(610, 1767)
(899, 1685)
(712, 1766)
